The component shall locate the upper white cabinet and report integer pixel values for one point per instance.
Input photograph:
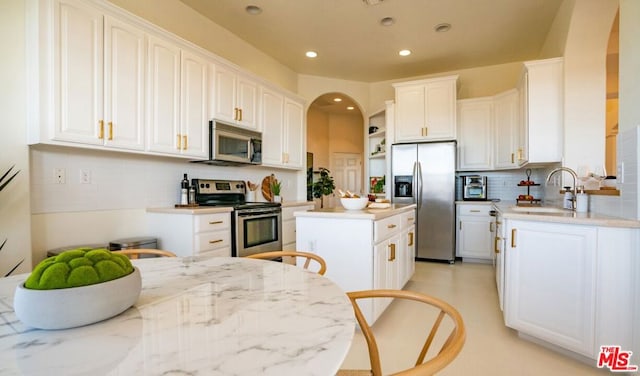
(99, 64)
(426, 110)
(508, 150)
(475, 134)
(282, 120)
(178, 108)
(236, 97)
(541, 106)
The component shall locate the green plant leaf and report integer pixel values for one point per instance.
(9, 180)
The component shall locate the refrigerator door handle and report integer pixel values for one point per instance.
(419, 190)
(414, 183)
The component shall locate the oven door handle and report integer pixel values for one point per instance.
(262, 214)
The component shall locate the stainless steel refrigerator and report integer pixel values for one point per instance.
(424, 174)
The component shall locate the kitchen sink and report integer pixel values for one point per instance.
(539, 209)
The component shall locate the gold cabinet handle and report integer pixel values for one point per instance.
(110, 131)
(179, 142)
(391, 226)
(392, 257)
(235, 114)
(474, 211)
(426, 131)
(490, 226)
(215, 241)
(460, 225)
(410, 239)
(240, 113)
(512, 156)
(496, 249)
(513, 237)
(215, 222)
(410, 219)
(184, 142)
(101, 129)
(520, 153)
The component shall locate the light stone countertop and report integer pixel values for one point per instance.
(196, 315)
(566, 216)
(196, 210)
(370, 214)
(296, 203)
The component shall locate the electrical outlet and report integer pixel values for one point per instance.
(85, 176)
(59, 175)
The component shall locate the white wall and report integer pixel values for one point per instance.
(585, 82)
(122, 185)
(14, 199)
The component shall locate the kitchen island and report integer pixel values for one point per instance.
(195, 315)
(364, 249)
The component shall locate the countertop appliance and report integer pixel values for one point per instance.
(424, 174)
(231, 146)
(474, 188)
(256, 226)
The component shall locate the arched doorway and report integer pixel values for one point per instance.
(335, 139)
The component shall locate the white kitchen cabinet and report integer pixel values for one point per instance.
(236, 97)
(541, 106)
(187, 234)
(99, 65)
(178, 108)
(508, 150)
(282, 120)
(499, 257)
(289, 225)
(425, 110)
(475, 134)
(476, 232)
(550, 287)
(362, 252)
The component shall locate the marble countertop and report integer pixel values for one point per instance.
(371, 214)
(197, 315)
(565, 216)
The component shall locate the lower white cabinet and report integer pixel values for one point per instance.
(188, 234)
(475, 232)
(289, 225)
(362, 252)
(570, 285)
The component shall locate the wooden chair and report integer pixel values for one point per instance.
(296, 254)
(447, 353)
(135, 253)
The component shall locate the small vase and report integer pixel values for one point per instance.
(277, 198)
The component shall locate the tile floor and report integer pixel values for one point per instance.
(490, 348)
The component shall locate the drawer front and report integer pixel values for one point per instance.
(221, 252)
(208, 241)
(287, 213)
(212, 222)
(474, 209)
(386, 227)
(408, 218)
(288, 231)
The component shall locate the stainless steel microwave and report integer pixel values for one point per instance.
(232, 145)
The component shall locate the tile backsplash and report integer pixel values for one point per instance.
(103, 180)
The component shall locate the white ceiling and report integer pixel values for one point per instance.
(352, 44)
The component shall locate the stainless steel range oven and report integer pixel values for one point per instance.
(256, 226)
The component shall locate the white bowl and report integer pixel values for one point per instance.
(354, 203)
(76, 306)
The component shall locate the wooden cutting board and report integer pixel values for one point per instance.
(266, 187)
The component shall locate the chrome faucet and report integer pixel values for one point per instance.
(575, 182)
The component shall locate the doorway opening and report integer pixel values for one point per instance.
(335, 138)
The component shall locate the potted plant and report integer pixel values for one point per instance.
(323, 186)
(4, 180)
(275, 189)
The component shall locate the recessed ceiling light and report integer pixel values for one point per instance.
(350, 108)
(441, 28)
(404, 52)
(311, 54)
(253, 10)
(387, 21)
(337, 99)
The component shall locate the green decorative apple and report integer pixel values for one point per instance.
(78, 267)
